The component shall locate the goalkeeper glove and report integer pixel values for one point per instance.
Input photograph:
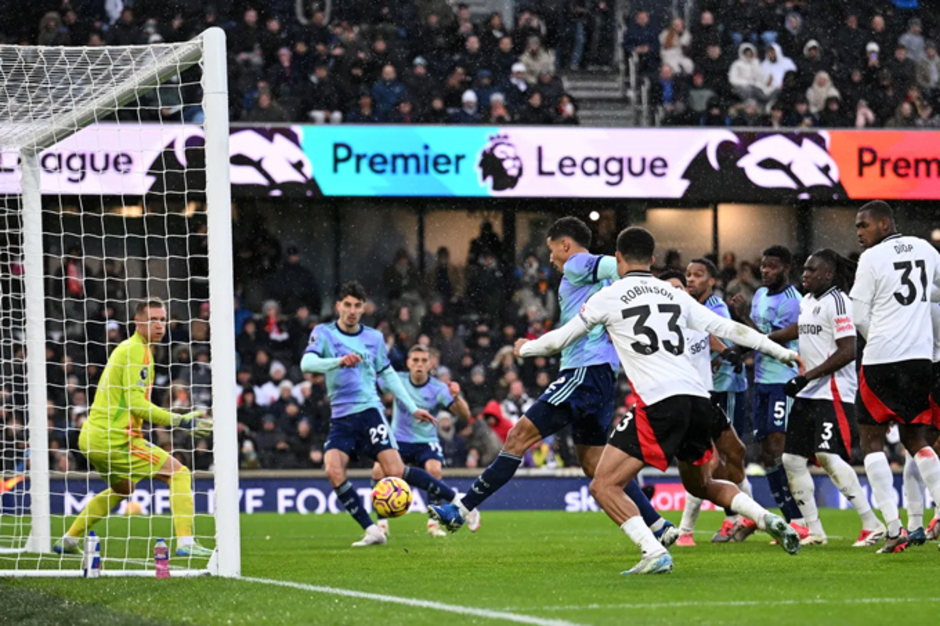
(795, 385)
(195, 422)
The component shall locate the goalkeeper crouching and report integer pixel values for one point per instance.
(112, 442)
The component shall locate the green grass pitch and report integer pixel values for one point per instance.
(554, 567)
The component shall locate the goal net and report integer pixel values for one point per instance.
(114, 191)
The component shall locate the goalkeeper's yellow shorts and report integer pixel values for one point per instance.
(134, 459)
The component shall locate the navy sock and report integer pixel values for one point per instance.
(492, 479)
(347, 495)
(777, 477)
(422, 480)
(650, 515)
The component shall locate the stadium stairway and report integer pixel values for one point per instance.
(600, 102)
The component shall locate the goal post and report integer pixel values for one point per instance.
(114, 189)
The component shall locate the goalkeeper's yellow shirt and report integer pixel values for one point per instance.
(122, 400)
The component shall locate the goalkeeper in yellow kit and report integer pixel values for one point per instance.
(112, 442)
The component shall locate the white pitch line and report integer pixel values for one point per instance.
(729, 603)
(423, 604)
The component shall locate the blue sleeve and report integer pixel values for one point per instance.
(606, 269)
(444, 399)
(318, 344)
(788, 313)
(312, 362)
(391, 382)
(381, 356)
(582, 268)
(722, 309)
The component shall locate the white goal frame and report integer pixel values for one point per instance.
(211, 51)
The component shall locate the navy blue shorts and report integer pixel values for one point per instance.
(582, 397)
(418, 454)
(733, 404)
(771, 410)
(360, 434)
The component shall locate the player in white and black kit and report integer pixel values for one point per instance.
(891, 303)
(822, 420)
(646, 320)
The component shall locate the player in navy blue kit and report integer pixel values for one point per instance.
(418, 442)
(583, 394)
(775, 306)
(353, 358)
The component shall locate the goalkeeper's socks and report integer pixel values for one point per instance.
(777, 479)
(347, 495)
(492, 479)
(181, 502)
(98, 507)
(422, 480)
(650, 516)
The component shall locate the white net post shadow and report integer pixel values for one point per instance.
(114, 189)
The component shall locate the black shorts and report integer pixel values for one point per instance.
(895, 392)
(679, 426)
(821, 426)
(935, 396)
(720, 422)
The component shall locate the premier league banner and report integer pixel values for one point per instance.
(315, 495)
(697, 165)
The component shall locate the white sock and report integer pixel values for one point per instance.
(746, 506)
(182, 542)
(882, 489)
(657, 525)
(745, 487)
(464, 511)
(929, 466)
(913, 494)
(693, 506)
(846, 480)
(70, 541)
(803, 490)
(642, 536)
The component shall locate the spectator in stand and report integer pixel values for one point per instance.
(497, 113)
(566, 112)
(404, 113)
(437, 114)
(453, 445)
(775, 66)
(704, 34)
(928, 70)
(742, 20)
(883, 97)
(853, 89)
(320, 97)
(926, 117)
(913, 41)
(550, 87)
(903, 70)
(793, 37)
(675, 46)
(434, 43)
(468, 113)
(294, 285)
(266, 109)
(273, 449)
(700, 94)
(801, 115)
(306, 447)
(715, 115)
(517, 402)
(641, 39)
(454, 88)
(471, 58)
(746, 77)
(420, 85)
(536, 59)
(482, 443)
(904, 116)
(575, 17)
(714, 67)
(365, 114)
(667, 91)
(850, 42)
(387, 92)
(125, 32)
(491, 34)
(749, 115)
(819, 93)
(495, 419)
(483, 87)
(775, 119)
(503, 59)
(878, 32)
(832, 116)
(811, 64)
(602, 34)
(401, 280)
(516, 89)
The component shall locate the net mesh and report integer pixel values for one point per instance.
(122, 176)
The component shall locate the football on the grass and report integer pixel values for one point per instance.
(391, 497)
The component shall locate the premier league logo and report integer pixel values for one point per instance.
(500, 162)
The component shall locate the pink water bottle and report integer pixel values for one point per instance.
(161, 559)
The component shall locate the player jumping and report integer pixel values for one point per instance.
(822, 421)
(646, 319)
(583, 395)
(112, 442)
(353, 358)
(891, 299)
(418, 442)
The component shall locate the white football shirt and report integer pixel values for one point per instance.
(894, 279)
(823, 320)
(935, 318)
(647, 320)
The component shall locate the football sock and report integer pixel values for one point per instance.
(347, 495)
(693, 507)
(181, 502)
(803, 490)
(929, 466)
(422, 480)
(649, 514)
(746, 506)
(882, 489)
(637, 530)
(777, 478)
(846, 480)
(913, 494)
(98, 507)
(745, 486)
(492, 479)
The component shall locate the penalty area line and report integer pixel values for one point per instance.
(729, 603)
(423, 604)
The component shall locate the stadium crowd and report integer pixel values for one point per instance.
(770, 63)
(385, 61)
